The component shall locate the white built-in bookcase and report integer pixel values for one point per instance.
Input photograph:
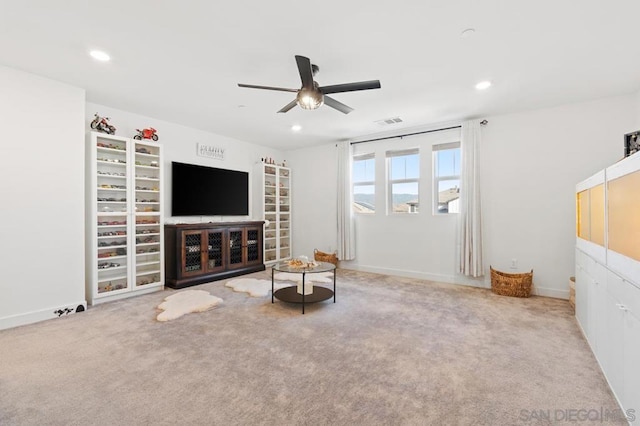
(272, 203)
(124, 238)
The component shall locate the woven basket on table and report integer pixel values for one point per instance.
(516, 285)
(321, 256)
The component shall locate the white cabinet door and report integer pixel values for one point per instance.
(597, 311)
(592, 317)
(582, 305)
(631, 393)
(614, 366)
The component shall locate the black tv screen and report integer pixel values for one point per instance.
(207, 191)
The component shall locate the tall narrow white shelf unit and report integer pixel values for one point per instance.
(125, 254)
(272, 203)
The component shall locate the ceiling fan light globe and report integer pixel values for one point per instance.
(308, 99)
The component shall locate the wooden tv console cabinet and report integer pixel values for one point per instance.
(196, 253)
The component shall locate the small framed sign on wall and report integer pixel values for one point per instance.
(210, 151)
(631, 143)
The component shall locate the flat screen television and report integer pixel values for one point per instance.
(208, 191)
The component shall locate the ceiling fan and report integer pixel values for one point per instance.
(311, 95)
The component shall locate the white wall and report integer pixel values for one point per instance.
(313, 191)
(179, 144)
(637, 111)
(42, 187)
(530, 164)
(420, 245)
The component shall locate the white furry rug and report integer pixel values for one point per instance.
(255, 288)
(187, 301)
(320, 277)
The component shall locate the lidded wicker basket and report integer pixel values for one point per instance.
(515, 285)
(321, 256)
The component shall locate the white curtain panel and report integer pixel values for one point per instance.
(470, 260)
(346, 239)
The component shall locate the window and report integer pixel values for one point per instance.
(403, 181)
(364, 183)
(446, 178)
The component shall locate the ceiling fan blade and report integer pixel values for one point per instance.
(281, 89)
(306, 74)
(350, 87)
(337, 105)
(288, 106)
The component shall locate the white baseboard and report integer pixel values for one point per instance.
(550, 292)
(481, 282)
(441, 278)
(42, 315)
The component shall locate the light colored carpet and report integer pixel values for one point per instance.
(254, 287)
(390, 351)
(185, 302)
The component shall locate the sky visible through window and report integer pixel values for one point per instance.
(364, 171)
(447, 164)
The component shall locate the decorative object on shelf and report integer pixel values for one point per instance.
(321, 256)
(149, 133)
(306, 288)
(186, 302)
(301, 262)
(631, 143)
(515, 285)
(101, 124)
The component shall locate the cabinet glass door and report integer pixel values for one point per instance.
(284, 208)
(192, 255)
(624, 221)
(146, 172)
(215, 258)
(582, 215)
(147, 250)
(112, 225)
(113, 268)
(253, 246)
(235, 247)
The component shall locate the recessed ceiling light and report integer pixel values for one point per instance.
(296, 128)
(99, 55)
(467, 33)
(483, 85)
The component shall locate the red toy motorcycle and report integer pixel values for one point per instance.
(149, 133)
(101, 124)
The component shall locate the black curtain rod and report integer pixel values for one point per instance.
(408, 134)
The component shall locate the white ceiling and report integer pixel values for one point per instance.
(181, 61)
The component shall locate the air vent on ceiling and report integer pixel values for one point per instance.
(388, 121)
